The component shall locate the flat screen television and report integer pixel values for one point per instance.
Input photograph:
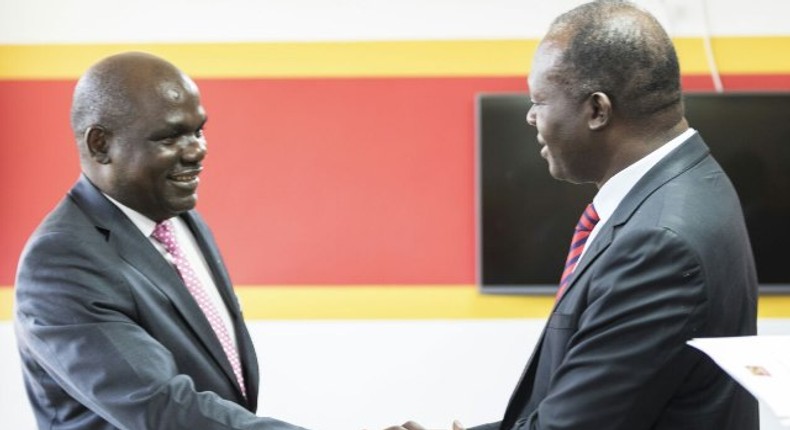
(526, 217)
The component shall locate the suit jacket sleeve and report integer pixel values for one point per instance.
(488, 426)
(645, 297)
(76, 328)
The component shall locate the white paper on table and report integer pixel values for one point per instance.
(760, 363)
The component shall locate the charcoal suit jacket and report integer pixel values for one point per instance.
(109, 337)
(673, 263)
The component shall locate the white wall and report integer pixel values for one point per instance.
(341, 375)
(104, 21)
(359, 374)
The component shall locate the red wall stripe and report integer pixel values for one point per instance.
(308, 181)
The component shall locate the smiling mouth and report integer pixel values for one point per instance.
(184, 177)
(187, 178)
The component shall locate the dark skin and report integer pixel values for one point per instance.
(588, 141)
(149, 158)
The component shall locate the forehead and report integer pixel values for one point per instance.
(175, 90)
(169, 103)
(173, 97)
(544, 65)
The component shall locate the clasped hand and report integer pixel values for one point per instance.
(411, 425)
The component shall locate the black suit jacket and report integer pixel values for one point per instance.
(110, 337)
(673, 263)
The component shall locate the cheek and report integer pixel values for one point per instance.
(158, 163)
(146, 175)
(562, 124)
(547, 125)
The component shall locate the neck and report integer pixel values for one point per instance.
(636, 142)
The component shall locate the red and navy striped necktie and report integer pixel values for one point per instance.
(583, 228)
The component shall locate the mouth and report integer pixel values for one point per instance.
(544, 150)
(187, 179)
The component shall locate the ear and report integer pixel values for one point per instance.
(601, 106)
(96, 142)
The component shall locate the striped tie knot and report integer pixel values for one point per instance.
(586, 223)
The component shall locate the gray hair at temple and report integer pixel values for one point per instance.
(101, 96)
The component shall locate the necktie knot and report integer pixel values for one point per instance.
(164, 234)
(588, 220)
(586, 224)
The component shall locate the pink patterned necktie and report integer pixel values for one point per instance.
(583, 228)
(166, 236)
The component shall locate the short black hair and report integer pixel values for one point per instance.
(617, 48)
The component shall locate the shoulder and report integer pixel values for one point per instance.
(687, 191)
(67, 263)
(65, 230)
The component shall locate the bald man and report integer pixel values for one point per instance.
(125, 314)
(662, 256)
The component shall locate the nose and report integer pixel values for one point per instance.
(195, 149)
(531, 115)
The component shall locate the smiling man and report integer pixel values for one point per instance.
(660, 257)
(125, 314)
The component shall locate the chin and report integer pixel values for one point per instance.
(183, 205)
(556, 172)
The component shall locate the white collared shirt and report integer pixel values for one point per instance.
(617, 187)
(192, 252)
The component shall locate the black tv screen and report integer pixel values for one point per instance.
(526, 217)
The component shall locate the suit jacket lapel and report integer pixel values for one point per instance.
(676, 162)
(137, 250)
(222, 280)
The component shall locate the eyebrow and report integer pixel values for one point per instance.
(183, 126)
(175, 128)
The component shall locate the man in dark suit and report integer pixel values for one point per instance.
(125, 315)
(662, 256)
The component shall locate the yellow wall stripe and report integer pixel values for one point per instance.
(289, 60)
(774, 307)
(770, 55)
(391, 302)
(396, 302)
(452, 58)
(6, 303)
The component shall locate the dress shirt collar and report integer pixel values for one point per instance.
(617, 187)
(143, 223)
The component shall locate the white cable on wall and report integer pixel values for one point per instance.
(680, 18)
(714, 70)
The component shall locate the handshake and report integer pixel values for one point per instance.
(411, 425)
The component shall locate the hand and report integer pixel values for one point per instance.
(411, 425)
(408, 425)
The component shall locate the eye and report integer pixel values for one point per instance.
(169, 140)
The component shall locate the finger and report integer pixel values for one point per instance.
(411, 425)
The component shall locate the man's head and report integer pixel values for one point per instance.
(138, 122)
(604, 67)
